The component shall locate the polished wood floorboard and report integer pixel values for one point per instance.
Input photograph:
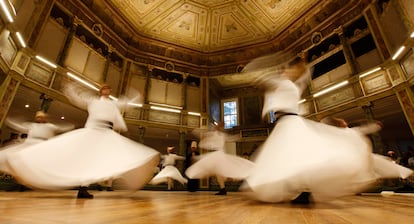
(181, 207)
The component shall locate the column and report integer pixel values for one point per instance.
(72, 31)
(141, 134)
(107, 63)
(182, 149)
(347, 50)
(184, 94)
(8, 90)
(148, 84)
(406, 99)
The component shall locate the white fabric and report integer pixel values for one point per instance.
(280, 99)
(302, 155)
(88, 155)
(386, 168)
(4, 153)
(36, 133)
(170, 159)
(105, 110)
(218, 162)
(169, 170)
(82, 157)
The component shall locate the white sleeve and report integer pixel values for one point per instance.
(78, 97)
(368, 128)
(304, 80)
(61, 128)
(126, 103)
(17, 125)
(177, 157)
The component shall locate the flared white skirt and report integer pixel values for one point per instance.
(82, 157)
(304, 155)
(168, 172)
(218, 163)
(4, 153)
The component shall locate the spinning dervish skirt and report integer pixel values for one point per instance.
(385, 168)
(82, 157)
(221, 164)
(168, 172)
(4, 153)
(303, 155)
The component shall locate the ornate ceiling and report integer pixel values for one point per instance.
(212, 25)
(213, 37)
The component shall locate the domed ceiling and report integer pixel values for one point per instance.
(212, 25)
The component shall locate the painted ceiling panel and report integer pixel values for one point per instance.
(212, 25)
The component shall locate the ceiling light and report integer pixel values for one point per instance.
(166, 105)
(6, 11)
(412, 35)
(194, 113)
(20, 38)
(165, 109)
(27, 105)
(370, 72)
(12, 8)
(40, 58)
(329, 89)
(84, 82)
(301, 101)
(62, 118)
(397, 54)
(135, 104)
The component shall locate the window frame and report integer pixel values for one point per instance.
(236, 100)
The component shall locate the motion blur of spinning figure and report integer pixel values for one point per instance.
(169, 172)
(219, 163)
(87, 155)
(382, 166)
(303, 160)
(38, 131)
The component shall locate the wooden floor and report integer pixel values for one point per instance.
(181, 207)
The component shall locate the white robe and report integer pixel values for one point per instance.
(302, 155)
(218, 163)
(87, 155)
(169, 170)
(36, 133)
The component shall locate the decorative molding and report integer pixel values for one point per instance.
(21, 63)
(254, 133)
(316, 38)
(97, 29)
(335, 98)
(169, 66)
(375, 83)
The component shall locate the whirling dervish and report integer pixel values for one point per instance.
(219, 163)
(87, 155)
(382, 165)
(303, 160)
(169, 172)
(38, 131)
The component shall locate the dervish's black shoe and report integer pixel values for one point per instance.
(303, 198)
(222, 192)
(83, 193)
